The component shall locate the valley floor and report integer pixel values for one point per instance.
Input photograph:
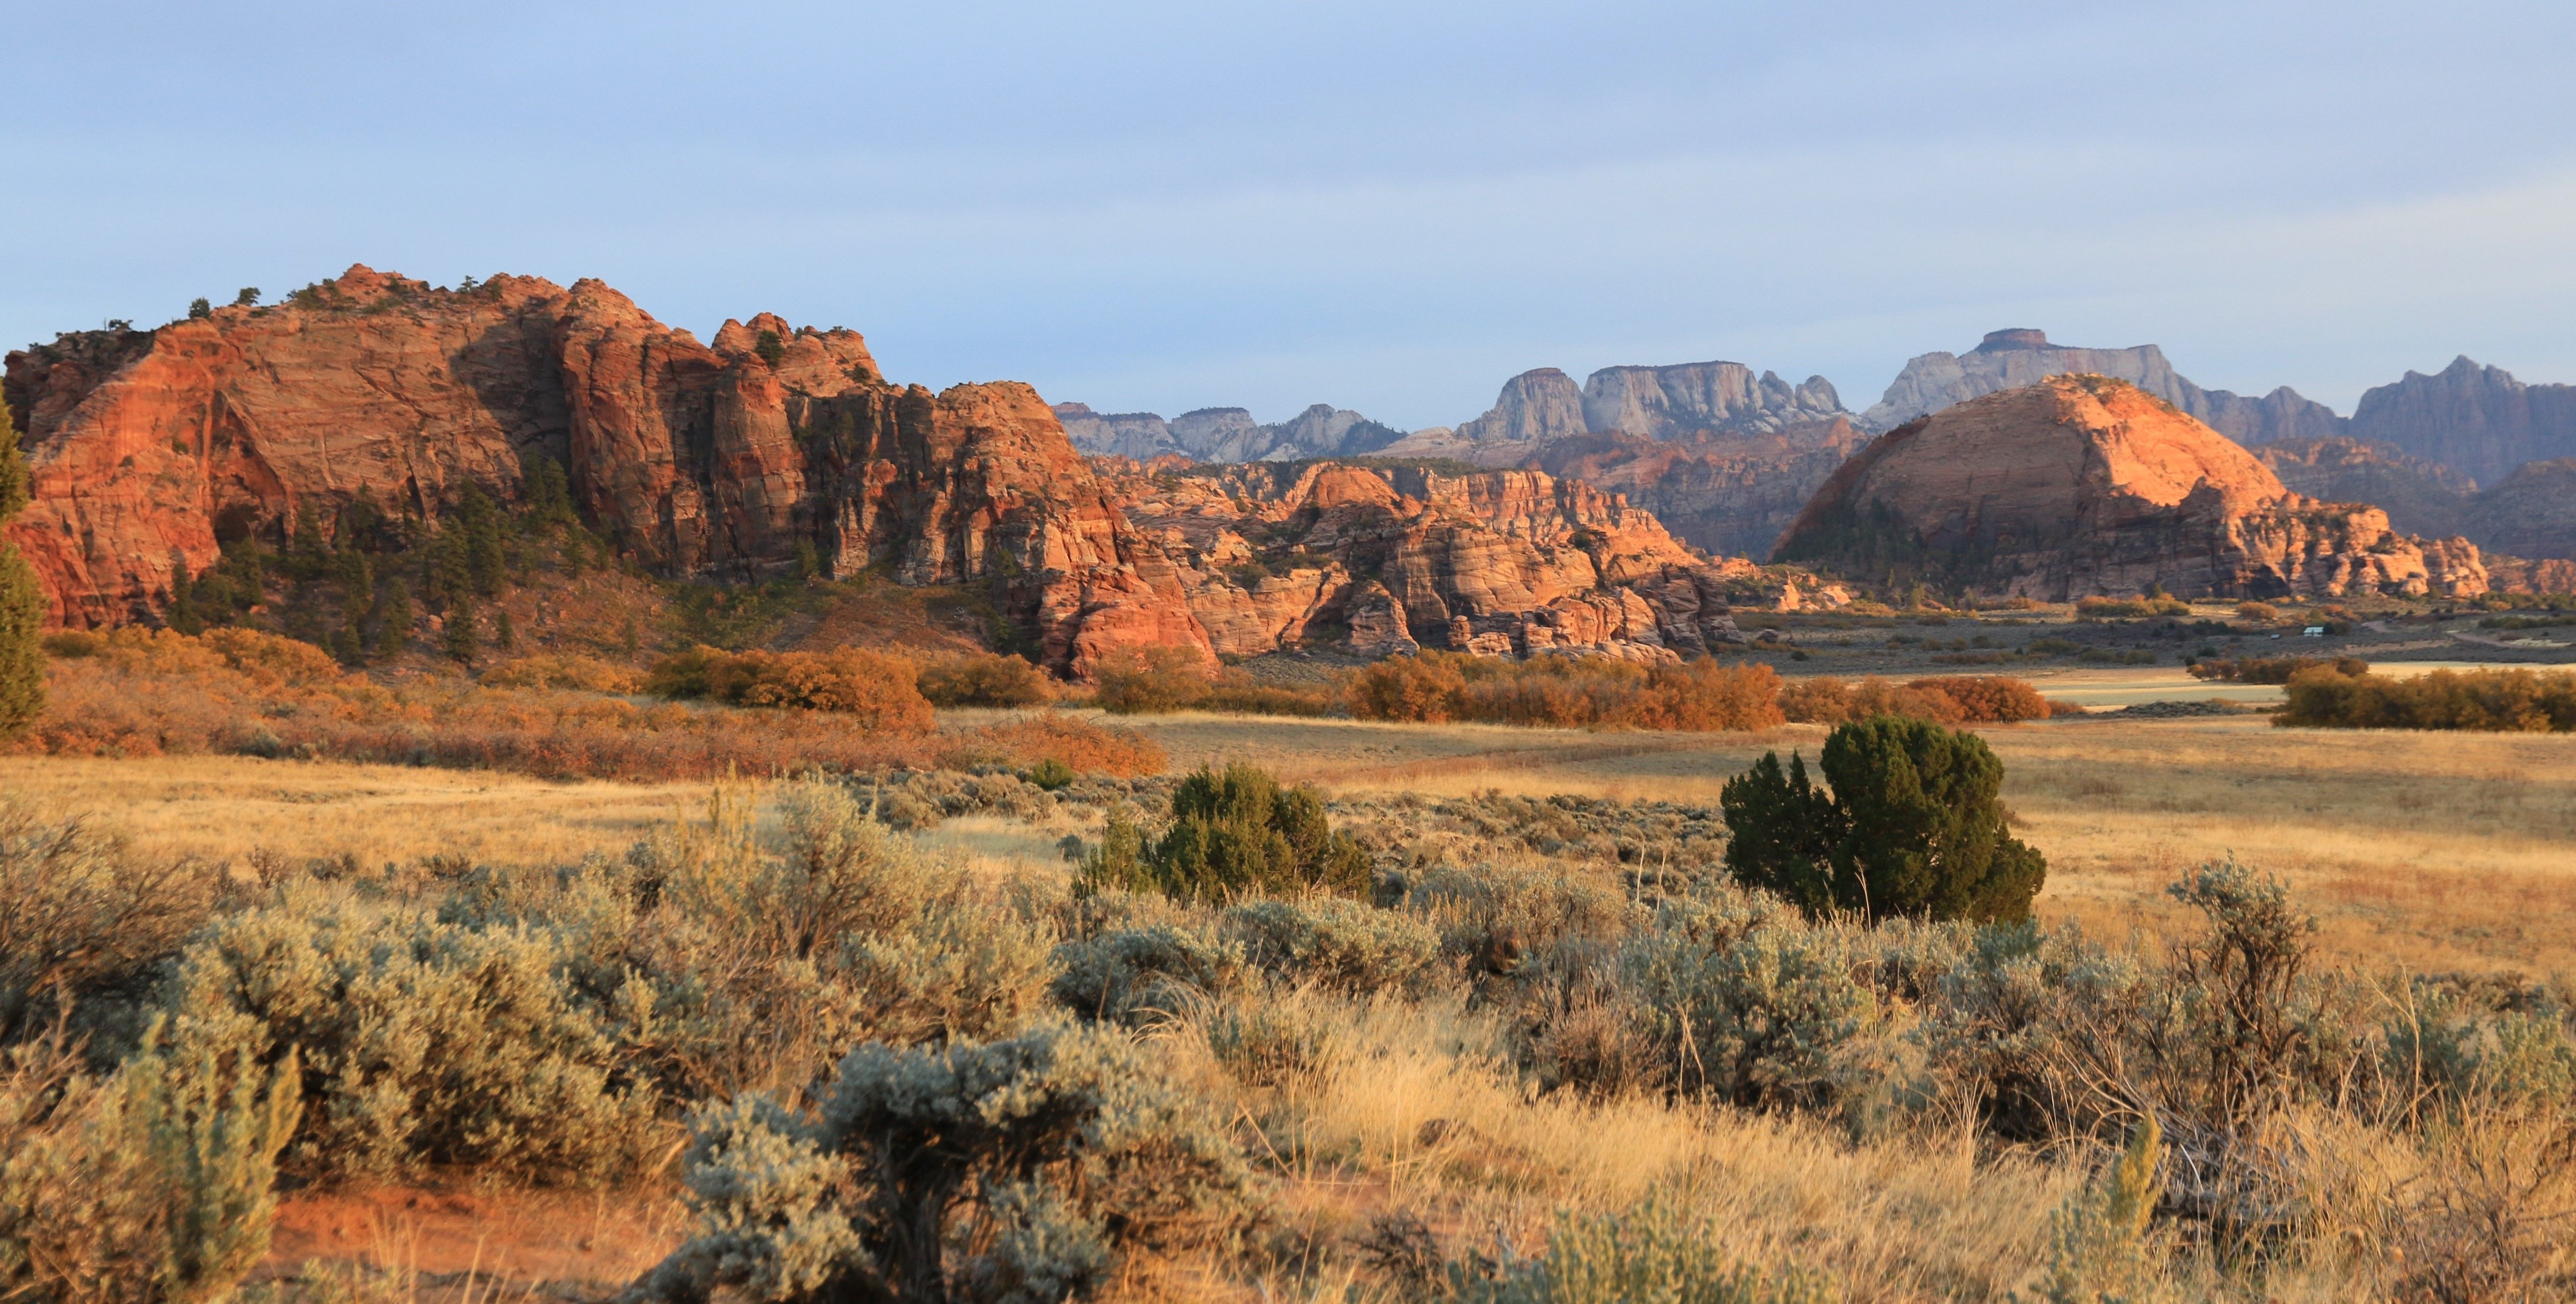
(2438, 851)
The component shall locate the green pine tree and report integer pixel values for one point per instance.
(463, 641)
(504, 636)
(395, 634)
(22, 600)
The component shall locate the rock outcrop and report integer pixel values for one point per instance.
(2087, 484)
(1378, 559)
(2475, 419)
(151, 449)
(2009, 359)
(2420, 497)
(2532, 513)
(1225, 434)
(1730, 495)
(1703, 399)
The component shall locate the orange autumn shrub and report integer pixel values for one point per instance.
(1832, 701)
(1988, 699)
(878, 689)
(983, 679)
(1567, 692)
(239, 692)
(1424, 689)
(563, 670)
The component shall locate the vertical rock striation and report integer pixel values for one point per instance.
(151, 449)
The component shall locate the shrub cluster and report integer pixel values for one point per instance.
(2118, 608)
(983, 679)
(879, 689)
(2512, 701)
(2272, 670)
(1955, 699)
(1159, 680)
(1567, 692)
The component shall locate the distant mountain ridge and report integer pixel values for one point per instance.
(1225, 434)
(2010, 359)
(1726, 454)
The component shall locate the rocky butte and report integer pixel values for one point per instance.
(150, 449)
(2085, 484)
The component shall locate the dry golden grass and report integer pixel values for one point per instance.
(2435, 851)
(224, 808)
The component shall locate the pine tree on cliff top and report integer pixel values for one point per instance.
(22, 600)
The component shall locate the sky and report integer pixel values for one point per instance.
(1380, 205)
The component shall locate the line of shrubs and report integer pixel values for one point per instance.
(232, 691)
(1702, 695)
(2272, 670)
(2509, 701)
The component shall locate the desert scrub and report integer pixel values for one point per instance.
(754, 959)
(422, 1042)
(1653, 1254)
(1025, 1169)
(151, 1183)
(84, 927)
(1144, 972)
(1769, 1017)
(1347, 945)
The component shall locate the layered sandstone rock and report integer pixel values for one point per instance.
(2087, 484)
(2477, 420)
(1376, 560)
(150, 448)
(2010, 359)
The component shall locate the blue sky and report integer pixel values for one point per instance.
(1379, 205)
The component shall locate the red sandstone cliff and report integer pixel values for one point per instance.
(695, 459)
(2084, 484)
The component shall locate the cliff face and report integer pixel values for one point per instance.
(2009, 359)
(2532, 513)
(2085, 484)
(1505, 563)
(1225, 434)
(1727, 494)
(2477, 420)
(1703, 398)
(2420, 497)
(150, 447)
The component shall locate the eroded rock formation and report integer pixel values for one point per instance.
(2087, 484)
(150, 448)
(2420, 497)
(1730, 495)
(1378, 560)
